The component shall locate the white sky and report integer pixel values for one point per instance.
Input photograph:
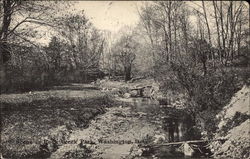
(110, 15)
(105, 15)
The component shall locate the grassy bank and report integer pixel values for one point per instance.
(35, 124)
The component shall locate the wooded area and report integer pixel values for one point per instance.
(197, 51)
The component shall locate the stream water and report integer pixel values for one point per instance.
(174, 126)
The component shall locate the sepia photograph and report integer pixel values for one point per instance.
(124, 79)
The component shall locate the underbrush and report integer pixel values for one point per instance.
(25, 125)
(206, 94)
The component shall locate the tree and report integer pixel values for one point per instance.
(201, 48)
(229, 25)
(18, 20)
(125, 50)
(86, 43)
(54, 51)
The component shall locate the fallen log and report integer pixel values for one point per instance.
(183, 142)
(189, 148)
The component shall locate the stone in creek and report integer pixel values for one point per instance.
(134, 93)
(127, 95)
(188, 151)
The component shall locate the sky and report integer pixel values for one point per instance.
(107, 15)
(110, 15)
(104, 15)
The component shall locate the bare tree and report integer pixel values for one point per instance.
(125, 50)
(86, 42)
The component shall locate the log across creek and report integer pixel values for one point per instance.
(187, 142)
(188, 147)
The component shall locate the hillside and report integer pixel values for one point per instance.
(234, 126)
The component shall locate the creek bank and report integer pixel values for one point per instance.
(234, 127)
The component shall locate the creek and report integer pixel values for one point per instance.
(174, 123)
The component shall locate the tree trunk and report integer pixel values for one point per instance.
(218, 29)
(222, 28)
(169, 29)
(239, 37)
(127, 72)
(204, 68)
(208, 30)
(2, 72)
(3, 40)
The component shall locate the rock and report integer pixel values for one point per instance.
(147, 91)
(134, 93)
(115, 91)
(104, 89)
(159, 138)
(135, 151)
(102, 81)
(141, 114)
(98, 81)
(127, 95)
(188, 151)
